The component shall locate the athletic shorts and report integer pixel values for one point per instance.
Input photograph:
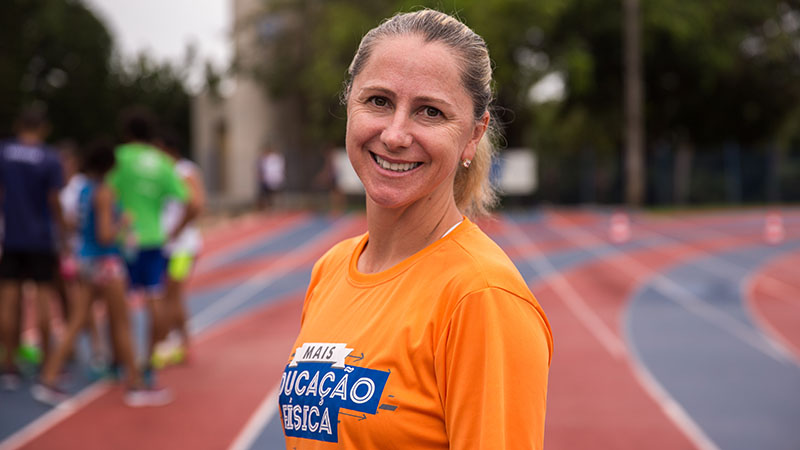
(69, 267)
(146, 269)
(39, 266)
(180, 265)
(101, 269)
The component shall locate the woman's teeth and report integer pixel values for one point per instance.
(394, 166)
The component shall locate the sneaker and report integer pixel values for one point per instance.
(49, 395)
(137, 398)
(10, 381)
(115, 372)
(97, 368)
(149, 376)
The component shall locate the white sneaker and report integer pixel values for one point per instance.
(137, 398)
(48, 395)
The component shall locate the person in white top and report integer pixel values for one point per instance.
(272, 168)
(181, 252)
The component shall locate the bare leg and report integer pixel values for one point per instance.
(90, 325)
(81, 302)
(175, 300)
(114, 294)
(158, 323)
(9, 316)
(43, 295)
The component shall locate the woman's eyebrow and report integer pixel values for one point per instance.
(418, 99)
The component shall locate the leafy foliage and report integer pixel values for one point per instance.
(714, 70)
(59, 53)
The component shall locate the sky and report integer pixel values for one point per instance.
(165, 27)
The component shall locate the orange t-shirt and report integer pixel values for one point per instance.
(447, 349)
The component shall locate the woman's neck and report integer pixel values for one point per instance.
(396, 234)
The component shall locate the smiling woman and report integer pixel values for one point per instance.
(428, 326)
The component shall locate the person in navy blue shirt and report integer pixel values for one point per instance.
(30, 180)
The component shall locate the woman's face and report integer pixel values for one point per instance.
(410, 123)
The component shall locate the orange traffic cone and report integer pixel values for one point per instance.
(620, 229)
(774, 231)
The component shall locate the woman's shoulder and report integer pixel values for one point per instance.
(476, 262)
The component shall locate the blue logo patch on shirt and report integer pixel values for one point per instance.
(312, 393)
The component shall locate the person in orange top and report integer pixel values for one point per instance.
(421, 333)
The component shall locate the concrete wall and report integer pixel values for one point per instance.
(229, 133)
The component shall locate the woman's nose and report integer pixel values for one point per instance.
(397, 134)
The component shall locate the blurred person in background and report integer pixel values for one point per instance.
(66, 281)
(30, 179)
(271, 175)
(143, 180)
(102, 274)
(181, 252)
(424, 314)
(327, 182)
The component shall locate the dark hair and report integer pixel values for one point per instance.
(474, 193)
(138, 124)
(170, 142)
(32, 118)
(99, 157)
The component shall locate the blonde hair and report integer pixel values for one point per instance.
(474, 193)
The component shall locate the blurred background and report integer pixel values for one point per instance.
(676, 324)
(660, 104)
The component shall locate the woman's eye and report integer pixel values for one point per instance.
(378, 101)
(430, 111)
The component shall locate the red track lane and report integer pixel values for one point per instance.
(544, 240)
(576, 218)
(774, 297)
(239, 232)
(594, 401)
(233, 370)
(234, 272)
(230, 273)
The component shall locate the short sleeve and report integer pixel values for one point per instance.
(175, 186)
(492, 364)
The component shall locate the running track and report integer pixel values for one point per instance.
(685, 336)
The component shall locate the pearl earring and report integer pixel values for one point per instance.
(466, 163)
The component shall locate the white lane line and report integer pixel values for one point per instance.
(52, 417)
(748, 286)
(260, 418)
(671, 408)
(565, 291)
(715, 264)
(687, 299)
(222, 256)
(264, 278)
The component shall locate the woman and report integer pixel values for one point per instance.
(421, 333)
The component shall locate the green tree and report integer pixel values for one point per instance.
(714, 71)
(56, 52)
(161, 86)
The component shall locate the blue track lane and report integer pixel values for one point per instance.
(742, 396)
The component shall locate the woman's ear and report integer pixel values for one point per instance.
(478, 131)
